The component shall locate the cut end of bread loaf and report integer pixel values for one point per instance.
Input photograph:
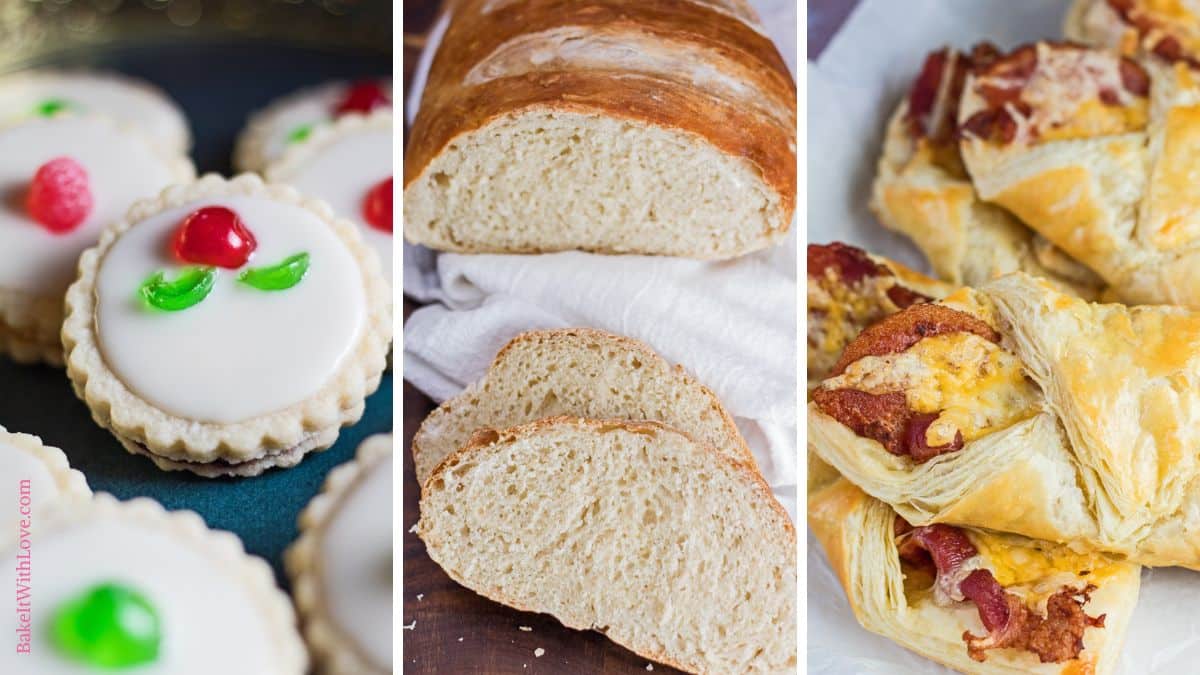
(544, 180)
(581, 372)
(635, 529)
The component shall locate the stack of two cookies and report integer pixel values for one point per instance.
(587, 478)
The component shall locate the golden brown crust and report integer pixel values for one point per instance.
(642, 348)
(601, 335)
(451, 109)
(476, 34)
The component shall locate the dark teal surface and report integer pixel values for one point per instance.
(217, 85)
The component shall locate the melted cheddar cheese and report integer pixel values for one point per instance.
(1066, 96)
(1094, 118)
(845, 311)
(976, 386)
(1036, 570)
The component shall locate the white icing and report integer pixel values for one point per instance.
(312, 107)
(28, 485)
(116, 97)
(242, 352)
(342, 173)
(356, 564)
(211, 622)
(122, 167)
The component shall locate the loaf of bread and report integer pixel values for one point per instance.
(663, 127)
(634, 529)
(582, 372)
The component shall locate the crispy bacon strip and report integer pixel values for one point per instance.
(851, 265)
(1002, 82)
(1010, 623)
(902, 330)
(916, 444)
(932, 108)
(881, 417)
(885, 418)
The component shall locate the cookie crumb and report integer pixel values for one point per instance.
(525, 628)
(413, 529)
(460, 639)
(538, 652)
(411, 626)
(420, 597)
(649, 666)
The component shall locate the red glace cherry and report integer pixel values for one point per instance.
(363, 97)
(59, 197)
(377, 206)
(214, 235)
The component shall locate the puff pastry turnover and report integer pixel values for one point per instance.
(975, 601)
(1023, 409)
(1098, 154)
(922, 189)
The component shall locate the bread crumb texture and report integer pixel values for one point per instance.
(634, 530)
(544, 180)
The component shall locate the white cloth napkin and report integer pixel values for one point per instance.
(852, 89)
(732, 324)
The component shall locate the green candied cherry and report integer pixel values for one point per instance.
(190, 288)
(109, 625)
(52, 106)
(277, 277)
(299, 133)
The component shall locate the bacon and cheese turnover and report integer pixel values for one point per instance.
(850, 289)
(1022, 409)
(1098, 154)
(975, 601)
(922, 189)
(1165, 29)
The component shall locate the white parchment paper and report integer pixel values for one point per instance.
(852, 89)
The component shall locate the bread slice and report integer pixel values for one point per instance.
(582, 372)
(667, 546)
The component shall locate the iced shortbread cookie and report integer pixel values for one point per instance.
(36, 476)
(227, 327)
(349, 165)
(127, 100)
(341, 567)
(62, 180)
(116, 587)
(292, 119)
